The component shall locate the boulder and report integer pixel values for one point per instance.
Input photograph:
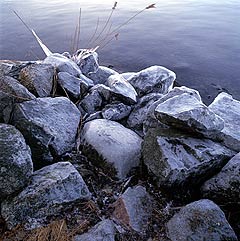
(111, 146)
(91, 102)
(229, 110)
(123, 89)
(179, 161)
(187, 112)
(140, 110)
(153, 79)
(200, 220)
(224, 188)
(51, 189)
(63, 64)
(116, 111)
(150, 120)
(105, 92)
(102, 231)
(49, 126)
(70, 83)
(11, 92)
(128, 75)
(16, 165)
(102, 74)
(38, 79)
(87, 61)
(133, 208)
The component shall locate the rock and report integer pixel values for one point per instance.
(38, 79)
(128, 75)
(103, 231)
(229, 110)
(179, 161)
(49, 126)
(91, 102)
(200, 220)
(105, 92)
(112, 146)
(63, 64)
(186, 112)
(153, 79)
(116, 112)
(11, 92)
(51, 189)
(140, 110)
(151, 121)
(15, 161)
(85, 83)
(134, 208)
(224, 188)
(102, 74)
(121, 87)
(96, 115)
(87, 61)
(70, 83)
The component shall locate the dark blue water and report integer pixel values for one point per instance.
(198, 39)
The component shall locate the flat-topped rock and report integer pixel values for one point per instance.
(16, 165)
(229, 110)
(111, 146)
(179, 161)
(51, 189)
(49, 126)
(187, 112)
(224, 188)
(200, 220)
(156, 79)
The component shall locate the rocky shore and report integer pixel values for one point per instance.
(87, 153)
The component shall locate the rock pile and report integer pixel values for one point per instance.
(64, 126)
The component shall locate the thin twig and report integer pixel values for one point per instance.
(79, 28)
(93, 36)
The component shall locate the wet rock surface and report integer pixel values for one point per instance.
(50, 189)
(111, 144)
(200, 220)
(16, 165)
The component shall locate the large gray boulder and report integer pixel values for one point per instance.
(229, 110)
(150, 121)
(111, 146)
(11, 92)
(224, 188)
(16, 165)
(187, 112)
(153, 79)
(198, 221)
(102, 231)
(51, 189)
(133, 208)
(102, 74)
(63, 64)
(179, 161)
(49, 126)
(123, 89)
(38, 79)
(141, 109)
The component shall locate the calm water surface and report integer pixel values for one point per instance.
(198, 39)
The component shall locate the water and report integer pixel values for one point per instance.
(198, 39)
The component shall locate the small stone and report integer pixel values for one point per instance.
(38, 79)
(102, 231)
(16, 165)
(134, 208)
(224, 187)
(153, 79)
(112, 146)
(200, 220)
(116, 112)
(51, 189)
